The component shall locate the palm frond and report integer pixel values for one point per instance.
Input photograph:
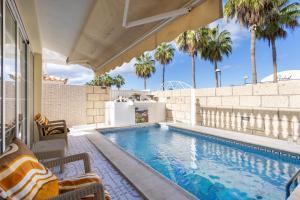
(283, 15)
(145, 66)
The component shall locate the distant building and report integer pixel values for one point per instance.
(54, 79)
(283, 76)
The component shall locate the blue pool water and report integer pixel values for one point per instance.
(206, 166)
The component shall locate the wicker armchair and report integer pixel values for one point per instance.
(96, 188)
(57, 124)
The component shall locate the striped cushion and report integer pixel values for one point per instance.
(23, 177)
(79, 182)
(54, 130)
(42, 120)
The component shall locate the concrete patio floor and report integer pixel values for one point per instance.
(118, 187)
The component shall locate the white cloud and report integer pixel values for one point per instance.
(54, 64)
(76, 74)
(238, 33)
(126, 68)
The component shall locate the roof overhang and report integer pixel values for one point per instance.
(104, 34)
(29, 18)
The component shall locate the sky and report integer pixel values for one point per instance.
(233, 68)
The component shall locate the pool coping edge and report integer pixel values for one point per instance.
(232, 135)
(129, 169)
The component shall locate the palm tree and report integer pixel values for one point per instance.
(119, 81)
(97, 81)
(282, 16)
(164, 55)
(107, 80)
(219, 44)
(203, 34)
(144, 67)
(91, 83)
(250, 13)
(188, 42)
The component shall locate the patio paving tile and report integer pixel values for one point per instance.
(118, 187)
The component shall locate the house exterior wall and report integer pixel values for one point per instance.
(37, 90)
(76, 104)
(267, 109)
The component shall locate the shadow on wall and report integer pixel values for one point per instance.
(275, 123)
(171, 116)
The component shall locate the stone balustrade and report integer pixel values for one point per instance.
(268, 109)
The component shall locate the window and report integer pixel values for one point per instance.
(15, 77)
(1, 81)
(10, 75)
(22, 87)
(30, 93)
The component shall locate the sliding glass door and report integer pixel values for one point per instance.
(14, 105)
(10, 75)
(22, 87)
(1, 79)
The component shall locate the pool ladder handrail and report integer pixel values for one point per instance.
(292, 180)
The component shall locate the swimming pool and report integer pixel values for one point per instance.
(209, 167)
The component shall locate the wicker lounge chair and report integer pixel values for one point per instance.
(95, 188)
(17, 151)
(49, 130)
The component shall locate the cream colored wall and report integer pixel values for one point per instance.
(95, 100)
(269, 109)
(178, 104)
(77, 105)
(66, 102)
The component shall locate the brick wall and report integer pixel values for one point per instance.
(178, 104)
(268, 109)
(76, 104)
(96, 97)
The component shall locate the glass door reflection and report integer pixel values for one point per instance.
(10, 75)
(22, 88)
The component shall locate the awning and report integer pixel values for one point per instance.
(104, 44)
(97, 33)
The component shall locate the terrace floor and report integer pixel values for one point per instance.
(118, 187)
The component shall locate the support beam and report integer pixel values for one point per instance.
(166, 15)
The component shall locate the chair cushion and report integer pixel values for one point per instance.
(23, 177)
(42, 120)
(79, 182)
(55, 130)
